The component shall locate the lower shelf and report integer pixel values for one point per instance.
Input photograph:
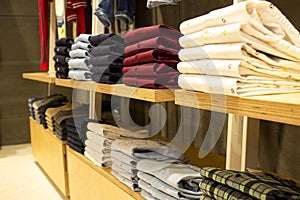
(50, 154)
(87, 181)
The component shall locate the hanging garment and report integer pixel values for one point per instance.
(156, 3)
(243, 32)
(183, 177)
(261, 15)
(150, 32)
(247, 86)
(156, 55)
(163, 43)
(125, 11)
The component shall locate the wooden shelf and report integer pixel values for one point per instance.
(88, 181)
(44, 77)
(152, 95)
(50, 154)
(282, 108)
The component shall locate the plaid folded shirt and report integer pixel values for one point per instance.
(258, 185)
(219, 191)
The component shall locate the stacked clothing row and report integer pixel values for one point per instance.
(107, 58)
(228, 184)
(40, 105)
(98, 143)
(160, 180)
(61, 58)
(51, 112)
(30, 105)
(127, 153)
(76, 128)
(151, 57)
(249, 48)
(79, 62)
(60, 118)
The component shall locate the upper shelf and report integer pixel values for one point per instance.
(40, 76)
(151, 95)
(283, 108)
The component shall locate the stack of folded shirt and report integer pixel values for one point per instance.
(51, 112)
(249, 48)
(106, 58)
(79, 63)
(98, 143)
(228, 184)
(126, 153)
(30, 103)
(160, 180)
(151, 57)
(40, 106)
(76, 128)
(61, 58)
(60, 118)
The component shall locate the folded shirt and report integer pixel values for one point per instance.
(83, 38)
(262, 15)
(162, 43)
(117, 164)
(149, 32)
(81, 45)
(106, 60)
(67, 42)
(112, 68)
(79, 53)
(183, 177)
(75, 147)
(105, 39)
(130, 160)
(148, 149)
(242, 32)
(153, 191)
(96, 147)
(103, 164)
(248, 86)
(100, 157)
(154, 82)
(106, 78)
(127, 182)
(98, 139)
(80, 75)
(62, 75)
(102, 50)
(236, 69)
(61, 59)
(130, 176)
(62, 50)
(263, 186)
(150, 69)
(156, 55)
(147, 195)
(79, 63)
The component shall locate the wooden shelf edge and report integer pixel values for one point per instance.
(106, 174)
(44, 77)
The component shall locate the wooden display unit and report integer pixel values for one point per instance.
(50, 153)
(44, 77)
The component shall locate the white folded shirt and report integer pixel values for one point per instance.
(99, 139)
(242, 32)
(262, 15)
(248, 86)
(103, 164)
(96, 147)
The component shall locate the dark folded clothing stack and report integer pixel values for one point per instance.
(228, 184)
(61, 58)
(76, 131)
(31, 100)
(106, 58)
(38, 106)
(60, 118)
(151, 57)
